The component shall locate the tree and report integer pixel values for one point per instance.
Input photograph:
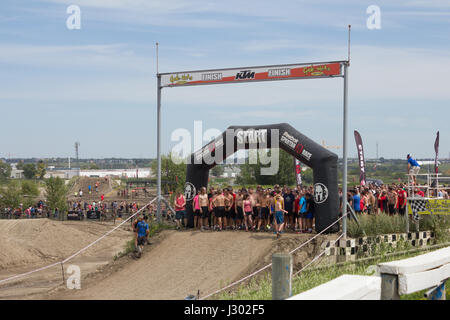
(93, 166)
(29, 170)
(171, 171)
(251, 173)
(41, 169)
(218, 170)
(20, 165)
(11, 195)
(56, 192)
(5, 170)
(29, 188)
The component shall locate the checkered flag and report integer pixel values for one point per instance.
(418, 206)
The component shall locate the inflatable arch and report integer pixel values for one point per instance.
(322, 161)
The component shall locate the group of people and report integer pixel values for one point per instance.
(38, 210)
(271, 209)
(116, 208)
(390, 199)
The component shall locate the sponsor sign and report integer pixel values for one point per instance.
(280, 72)
(359, 147)
(293, 143)
(320, 193)
(430, 206)
(298, 171)
(208, 149)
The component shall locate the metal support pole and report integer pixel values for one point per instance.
(389, 287)
(344, 153)
(158, 151)
(281, 276)
(62, 270)
(407, 216)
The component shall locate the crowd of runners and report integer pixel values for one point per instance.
(277, 209)
(271, 209)
(389, 199)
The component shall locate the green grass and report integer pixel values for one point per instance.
(261, 288)
(371, 225)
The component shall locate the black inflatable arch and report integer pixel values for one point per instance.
(322, 161)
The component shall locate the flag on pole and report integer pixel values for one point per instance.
(298, 171)
(359, 147)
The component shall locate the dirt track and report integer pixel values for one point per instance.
(175, 265)
(184, 262)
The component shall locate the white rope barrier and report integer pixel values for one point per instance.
(78, 252)
(269, 265)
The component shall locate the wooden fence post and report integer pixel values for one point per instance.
(281, 276)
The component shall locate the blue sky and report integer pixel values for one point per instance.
(97, 85)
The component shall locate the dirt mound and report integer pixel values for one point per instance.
(28, 244)
(37, 241)
(185, 262)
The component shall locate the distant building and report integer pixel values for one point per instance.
(101, 173)
(17, 174)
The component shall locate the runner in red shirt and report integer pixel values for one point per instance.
(401, 203)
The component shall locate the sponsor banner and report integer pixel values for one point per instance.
(294, 144)
(208, 149)
(436, 149)
(429, 206)
(266, 73)
(362, 169)
(298, 171)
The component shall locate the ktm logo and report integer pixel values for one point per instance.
(246, 74)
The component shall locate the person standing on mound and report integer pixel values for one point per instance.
(219, 205)
(279, 214)
(248, 210)
(179, 204)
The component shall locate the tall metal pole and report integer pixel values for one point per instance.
(344, 151)
(344, 156)
(159, 149)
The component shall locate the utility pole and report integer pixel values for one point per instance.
(377, 150)
(77, 144)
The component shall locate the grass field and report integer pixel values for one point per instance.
(261, 288)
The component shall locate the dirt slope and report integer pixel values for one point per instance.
(83, 183)
(184, 262)
(28, 244)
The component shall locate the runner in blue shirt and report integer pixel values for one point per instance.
(143, 231)
(357, 201)
(303, 212)
(413, 167)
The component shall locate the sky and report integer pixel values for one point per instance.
(97, 84)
